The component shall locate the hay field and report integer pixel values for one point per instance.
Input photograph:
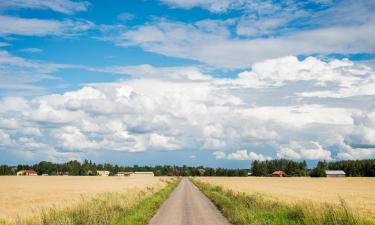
(26, 196)
(358, 193)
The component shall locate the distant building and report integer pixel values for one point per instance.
(45, 174)
(28, 172)
(62, 173)
(335, 173)
(279, 174)
(103, 173)
(150, 174)
(124, 174)
(249, 174)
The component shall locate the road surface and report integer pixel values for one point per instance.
(188, 206)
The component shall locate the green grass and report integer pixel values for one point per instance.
(241, 209)
(143, 211)
(132, 207)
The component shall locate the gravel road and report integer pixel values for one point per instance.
(188, 206)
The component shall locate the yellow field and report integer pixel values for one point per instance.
(26, 196)
(358, 193)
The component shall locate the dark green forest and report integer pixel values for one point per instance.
(352, 168)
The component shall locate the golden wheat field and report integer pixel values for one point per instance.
(25, 197)
(358, 193)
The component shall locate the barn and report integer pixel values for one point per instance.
(279, 173)
(149, 174)
(335, 173)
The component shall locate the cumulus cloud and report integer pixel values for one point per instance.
(241, 155)
(173, 108)
(304, 150)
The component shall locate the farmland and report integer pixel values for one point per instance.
(25, 197)
(358, 193)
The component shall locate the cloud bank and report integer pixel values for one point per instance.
(260, 114)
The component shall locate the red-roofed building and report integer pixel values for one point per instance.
(29, 172)
(279, 174)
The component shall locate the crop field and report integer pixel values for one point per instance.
(27, 197)
(357, 193)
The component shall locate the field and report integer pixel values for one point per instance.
(358, 193)
(25, 197)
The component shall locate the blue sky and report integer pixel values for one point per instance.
(197, 82)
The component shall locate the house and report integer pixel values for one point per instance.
(29, 172)
(150, 174)
(335, 173)
(249, 174)
(103, 173)
(124, 174)
(279, 173)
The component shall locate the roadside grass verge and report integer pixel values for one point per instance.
(130, 207)
(255, 209)
(142, 212)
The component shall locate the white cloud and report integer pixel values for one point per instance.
(358, 153)
(265, 31)
(149, 71)
(304, 150)
(10, 25)
(174, 108)
(3, 44)
(62, 6)
(211, 5)
(219, 155)
(241, 155)
(125, 16)
(31, 50)
(5, 139)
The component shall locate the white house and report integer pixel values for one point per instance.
(103, 173)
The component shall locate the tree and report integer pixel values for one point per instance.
(320, 169)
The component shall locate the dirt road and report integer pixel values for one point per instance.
(188, 206)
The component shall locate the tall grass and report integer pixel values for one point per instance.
(106, 208)
(255, 209)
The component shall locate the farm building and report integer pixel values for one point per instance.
(124, 174)
(62, 173)
(335, 173)
(28, 172)
(150, 174)
(103, 173)
(279, 173)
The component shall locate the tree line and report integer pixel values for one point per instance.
(88, 168)
(352, 168)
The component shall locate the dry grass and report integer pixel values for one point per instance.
(358, 193)
(26, 197)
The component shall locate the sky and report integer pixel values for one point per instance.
(198, 82)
